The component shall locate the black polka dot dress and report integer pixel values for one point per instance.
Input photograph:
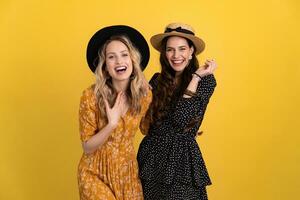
(171, 166)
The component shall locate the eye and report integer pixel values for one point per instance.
(168, 49)
(110, 57)
(125, 54)
(182, 48)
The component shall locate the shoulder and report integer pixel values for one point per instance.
(154, 80)
(148, 96)
(88, 91)
(88, 95)
(145, 101)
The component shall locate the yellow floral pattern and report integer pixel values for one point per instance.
(111, 172)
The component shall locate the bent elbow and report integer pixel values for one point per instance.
(86, 149)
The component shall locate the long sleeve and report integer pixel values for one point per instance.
(189, 109)
(145, 122)
(171, 154)
(87, 115)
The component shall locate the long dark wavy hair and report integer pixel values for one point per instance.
(167, 90)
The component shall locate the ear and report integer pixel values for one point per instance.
(191, 52)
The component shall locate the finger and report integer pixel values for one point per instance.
(205, 65)
(210, 67)
(107, 107)
(121, 103)
(208, 64)
(145, 84)
(150, 87)
(117, 102)
(208, 61)
(122, 100)
(212, 61)
(214, 65)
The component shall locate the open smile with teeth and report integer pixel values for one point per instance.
(120, 69)
(177, 62)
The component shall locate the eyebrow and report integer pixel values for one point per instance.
(176, 47)
(125, 50)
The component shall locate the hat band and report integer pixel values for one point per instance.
(179, 29)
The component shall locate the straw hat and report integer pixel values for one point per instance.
(104, 34)
(181, 30)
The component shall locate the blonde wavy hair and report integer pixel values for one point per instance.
(104, 88)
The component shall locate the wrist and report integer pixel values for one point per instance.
(189, 93)
(111, 126)
(197, 76)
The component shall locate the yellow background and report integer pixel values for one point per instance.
(251, 128)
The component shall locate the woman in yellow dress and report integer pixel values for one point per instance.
(110, 113)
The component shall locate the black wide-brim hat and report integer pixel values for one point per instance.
(104, 34)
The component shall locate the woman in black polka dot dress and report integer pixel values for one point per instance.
(170, 162)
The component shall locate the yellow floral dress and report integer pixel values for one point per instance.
(111, 172)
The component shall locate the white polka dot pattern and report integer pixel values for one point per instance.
(171, 165)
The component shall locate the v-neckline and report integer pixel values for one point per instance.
(126, 113)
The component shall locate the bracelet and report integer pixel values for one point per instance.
(198, 76)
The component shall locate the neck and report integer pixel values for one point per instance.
(177, 78)
(120, 85)
(177, 74)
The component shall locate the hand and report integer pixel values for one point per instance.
(208, 68)
(114, 113)
(146, 85)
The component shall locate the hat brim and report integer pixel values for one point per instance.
(104, 34)
(157, 39)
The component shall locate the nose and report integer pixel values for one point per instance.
(175, 54)
(118, 60)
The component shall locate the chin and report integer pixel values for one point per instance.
(122, 78)
(178, 69)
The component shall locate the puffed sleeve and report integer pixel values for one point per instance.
(191, 109)
(145, 102)
(154, 81)
(87, 115)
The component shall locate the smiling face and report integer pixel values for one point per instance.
(118, 61)
(178, 53)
